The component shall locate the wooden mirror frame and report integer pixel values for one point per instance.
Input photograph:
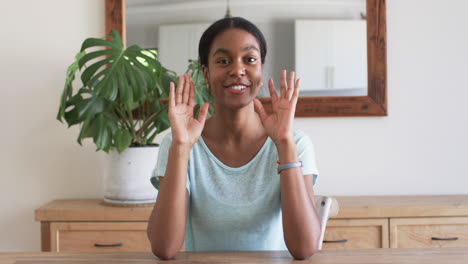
(374, 104)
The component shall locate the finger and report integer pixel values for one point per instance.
(192, 94)
(271, 88)
(291, 86)
(186, 94)
(260, 110)
(203, 113)
(179, 90)
(283, 84)
(171, 95)
(296, 89)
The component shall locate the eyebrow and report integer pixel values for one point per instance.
(221, 50)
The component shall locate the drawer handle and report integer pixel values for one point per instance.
(448, 238)
(109, 245)
(336, 241)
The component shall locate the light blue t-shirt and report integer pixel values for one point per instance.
(235, 209)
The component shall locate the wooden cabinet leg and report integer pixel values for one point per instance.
(45, 236)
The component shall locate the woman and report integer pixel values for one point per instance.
(218, 182)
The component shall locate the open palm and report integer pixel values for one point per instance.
(278, 124)
(185, 128)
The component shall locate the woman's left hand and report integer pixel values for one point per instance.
(278, 124)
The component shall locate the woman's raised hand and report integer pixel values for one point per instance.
(278, 124)
(185, 128)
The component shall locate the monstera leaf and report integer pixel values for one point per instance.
(119, 102)
(116, 83)
(129, 73)
(202, 94)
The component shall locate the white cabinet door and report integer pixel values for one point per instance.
(331, 54)
(178, 44)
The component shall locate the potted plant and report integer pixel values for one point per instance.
(119, 106)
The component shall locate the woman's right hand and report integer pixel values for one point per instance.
(185, 128)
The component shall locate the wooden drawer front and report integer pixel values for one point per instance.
(429, 232)
(99, 237)
(356, 233)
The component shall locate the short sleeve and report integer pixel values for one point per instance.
(306, 154)
(161, 163)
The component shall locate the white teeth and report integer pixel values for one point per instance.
(238, 87)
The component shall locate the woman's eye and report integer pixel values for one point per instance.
(222, 61)
(251, 59)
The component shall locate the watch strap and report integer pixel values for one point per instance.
(282, 167)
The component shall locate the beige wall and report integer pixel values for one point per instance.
(40, 159)
(420, 148)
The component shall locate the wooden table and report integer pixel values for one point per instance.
(361, 256)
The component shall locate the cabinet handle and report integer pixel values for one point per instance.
(448, 238)
(336, 241)
(109, 245)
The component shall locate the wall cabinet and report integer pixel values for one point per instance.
(331, 54)
(363, 222)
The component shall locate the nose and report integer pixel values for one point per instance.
(237, 69)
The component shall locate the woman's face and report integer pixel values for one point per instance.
(234, 71)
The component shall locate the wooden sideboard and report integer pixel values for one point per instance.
(87, 225)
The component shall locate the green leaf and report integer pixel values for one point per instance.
(125, 91)
(68, 89)
(86, 131)
(101, 133)
(202, 94)
(114, 88)
(137, 87)
(73, 107)
(105, 87)
(71, 117)
(161, 121)
(166, 78)
(116, 38)
(97, 42)
(123, 139)
(131, 83)
(91, 70)
(96, 55)
(90, 107)
(116, 82)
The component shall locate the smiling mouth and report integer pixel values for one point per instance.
(237, 87)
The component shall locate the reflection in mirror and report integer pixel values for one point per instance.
(331, 57)
(323, 41)
(282, 45)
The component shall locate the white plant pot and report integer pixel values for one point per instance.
(127, 180)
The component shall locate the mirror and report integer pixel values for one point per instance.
(374, 103)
